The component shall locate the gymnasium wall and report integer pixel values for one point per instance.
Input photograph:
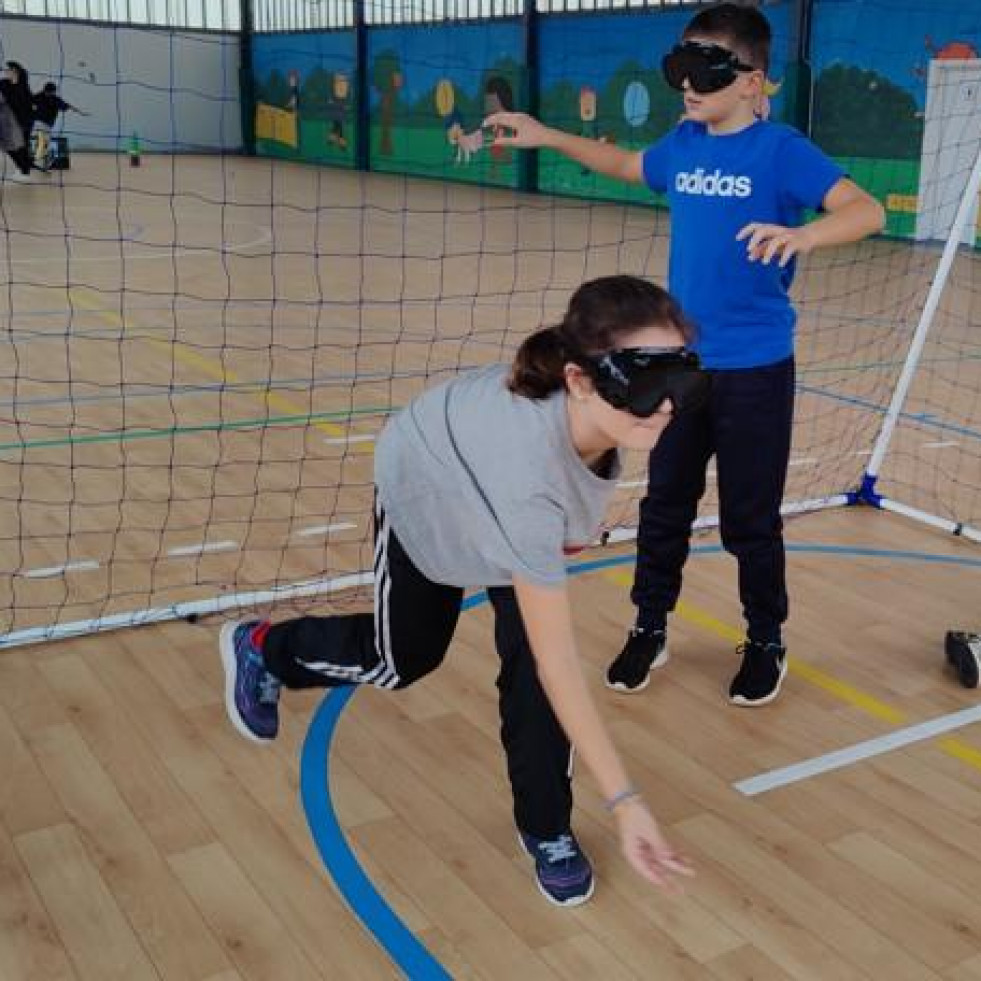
(430, 86)
(599, 75)
(178, 90)
(870, 64)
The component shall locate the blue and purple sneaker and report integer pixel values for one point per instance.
(251, 692)
(564, 874)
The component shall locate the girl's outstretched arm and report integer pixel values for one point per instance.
(548, 621)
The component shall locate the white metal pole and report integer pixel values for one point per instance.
(189, 610)
(926, 319)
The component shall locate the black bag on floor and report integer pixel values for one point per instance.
(59, 153)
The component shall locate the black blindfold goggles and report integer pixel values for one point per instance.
(639, 379)
(708, 67)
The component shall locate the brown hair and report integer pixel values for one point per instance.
(744, 30)
(601, 313)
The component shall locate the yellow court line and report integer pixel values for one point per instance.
(215, 369)
(961, 751)
(807, 672)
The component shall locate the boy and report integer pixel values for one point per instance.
(737, 185)
(47, 105)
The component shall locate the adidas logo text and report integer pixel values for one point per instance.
(715, 184)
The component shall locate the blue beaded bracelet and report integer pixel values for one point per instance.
(617, 799)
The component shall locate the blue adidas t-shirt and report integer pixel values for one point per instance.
(716, 184)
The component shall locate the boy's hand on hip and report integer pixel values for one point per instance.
(764, 242)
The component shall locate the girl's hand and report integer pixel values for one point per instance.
(767, 242)
(646, 850)
(523, 131)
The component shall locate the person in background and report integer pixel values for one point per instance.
(46, 106)
(16, 93)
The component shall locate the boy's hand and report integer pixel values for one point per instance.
(767, 242)
(646, 850)
(523, 131)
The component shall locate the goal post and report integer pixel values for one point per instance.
(867, 492)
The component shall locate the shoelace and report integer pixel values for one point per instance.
(770, 645)
(634, 651)
(559, 849)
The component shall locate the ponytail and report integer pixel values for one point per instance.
(602, 314)
(539, 365)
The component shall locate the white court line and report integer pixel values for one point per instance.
(853, 754)
(57, 570)
(941, 445)
(344, 440)
(165, 250)
(202, 547)
(627, 484)
(324, 529)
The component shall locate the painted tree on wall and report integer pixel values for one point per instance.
(664, 104)
(276, 91)
(316, 93)
(386, 77)
(860, 113)
(560, 105)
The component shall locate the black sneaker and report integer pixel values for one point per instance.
(644, 651)
(964, 656)
(760, 675)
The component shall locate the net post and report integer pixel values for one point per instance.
(800, 95)
(246, 79)
(362, 90)
(528, 174)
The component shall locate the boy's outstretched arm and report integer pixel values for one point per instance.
(851, 214)
(528, 133)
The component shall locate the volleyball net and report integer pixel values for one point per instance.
(200, 351)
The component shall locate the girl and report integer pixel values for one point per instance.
(486, 480)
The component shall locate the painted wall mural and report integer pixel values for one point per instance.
(872, 64)
(880, 93)
(304, 92)
(432, 87)
(601, 77)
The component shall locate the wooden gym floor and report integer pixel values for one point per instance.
(140, 837)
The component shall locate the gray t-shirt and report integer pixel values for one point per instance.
(482, 485)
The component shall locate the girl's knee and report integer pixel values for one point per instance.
(416, 671)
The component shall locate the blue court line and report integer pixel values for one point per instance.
(402, 946)
(925, 419)
(408, 954)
